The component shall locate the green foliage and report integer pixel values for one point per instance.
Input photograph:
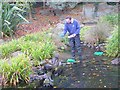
(9, 47)
(35, 46)
(42, 51)
(12, 15)
(101, 31)
(113, 44)
(38, 46)
(97, 34)
(111, 18)
(83, 31)
(15, 69)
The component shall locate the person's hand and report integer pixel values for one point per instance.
(61, 35)
(71, 36)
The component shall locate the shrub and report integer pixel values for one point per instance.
(15, 70)
(113, 44)
(111, 18)
(97, 34)
(9, 47)
(83, 31)
(12, 15)
(38, 46)
(42, 51)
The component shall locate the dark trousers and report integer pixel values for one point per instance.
(75, 46)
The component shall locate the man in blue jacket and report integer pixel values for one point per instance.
(73, 28)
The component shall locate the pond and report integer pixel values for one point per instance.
(94, 72)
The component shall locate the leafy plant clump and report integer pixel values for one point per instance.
(111, 18)
(97, 34)
(12, 15)
(38, 46)
(83, 31)
(8, 48)
(113, 44)
(15, 70)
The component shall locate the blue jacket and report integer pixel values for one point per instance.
(72, 28)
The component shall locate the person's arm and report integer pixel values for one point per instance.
(65, 30)
(77, 28)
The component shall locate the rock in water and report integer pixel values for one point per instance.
(55, 61)
(48, 67)
(116, 61)
(48, 82)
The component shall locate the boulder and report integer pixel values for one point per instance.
(15, 54)
(2, 41)
(48, 67)
(34, 77)
(116, 61)
(59, 27)
(47, 83)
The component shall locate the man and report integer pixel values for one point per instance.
(73, 28)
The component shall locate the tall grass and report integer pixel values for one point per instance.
(38, 46)
(12, 14)
(15, 69)
(35, 47)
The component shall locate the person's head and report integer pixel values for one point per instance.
(68, 19)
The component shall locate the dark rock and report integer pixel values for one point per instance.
(89, 22)
(38, 70)
(47, 83)
(116, 61)
(58, 72)
(48, 67)
(37, 77)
